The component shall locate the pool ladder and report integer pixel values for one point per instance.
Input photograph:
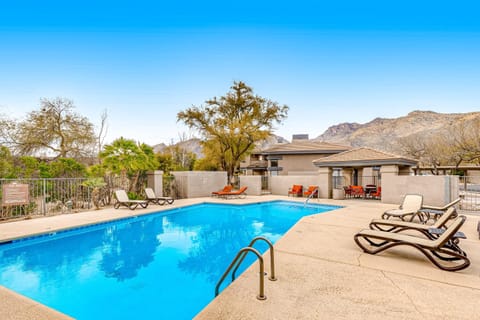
(237, 261)
(310, 196)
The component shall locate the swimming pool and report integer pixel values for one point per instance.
(158, 266)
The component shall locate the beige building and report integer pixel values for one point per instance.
(295, 158)
(363, 166)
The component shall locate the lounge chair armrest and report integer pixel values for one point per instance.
(431, 208)
(399, 211)
(432, 211)
(445, 207)
(439, 231)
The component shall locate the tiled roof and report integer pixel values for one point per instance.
(364, 155)
(304, 147)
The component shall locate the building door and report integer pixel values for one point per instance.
(355, 177)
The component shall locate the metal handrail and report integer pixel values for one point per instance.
(261, 294)
(272, 258)
(311, 195)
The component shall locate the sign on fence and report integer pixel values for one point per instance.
(14, 194)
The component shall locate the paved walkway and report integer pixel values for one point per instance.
(322, 274)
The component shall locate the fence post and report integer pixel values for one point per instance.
(44, 201)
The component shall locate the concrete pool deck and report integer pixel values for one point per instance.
(321, 272)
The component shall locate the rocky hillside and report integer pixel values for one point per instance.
(193, 145)
(382, 133)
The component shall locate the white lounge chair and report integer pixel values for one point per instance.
(432, 212)
(409, 208)
(400, 226)
(123, 200)
(152, 197)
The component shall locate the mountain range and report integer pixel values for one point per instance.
(380, 133)
(383, 133)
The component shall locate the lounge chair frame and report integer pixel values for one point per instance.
(434, 213)
(227, 188)
(152, 197)
(123, 200)
(233, 194)
(407, 211)
(444, 248)
(399, 226)
(431, 232)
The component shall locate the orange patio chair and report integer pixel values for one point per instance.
(296, 190)
(348, 191)
(377, 194)
(311, 191)
(358, 192)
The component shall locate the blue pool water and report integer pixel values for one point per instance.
(160, 266)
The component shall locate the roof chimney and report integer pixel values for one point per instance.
(296, 137)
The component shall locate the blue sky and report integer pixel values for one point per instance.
(144, 61)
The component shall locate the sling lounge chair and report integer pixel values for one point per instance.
(443, 252)
(152, 197)
(408, 210)
(399, 226)
(227, 188)
(431, 212)
(233, 194)
(123, 200)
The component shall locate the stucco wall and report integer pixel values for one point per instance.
(253, 183)
(436, 190)
(155, 181)
(194, 184)
(298, 163)
(279, 185)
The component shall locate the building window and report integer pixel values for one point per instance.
(273, 167)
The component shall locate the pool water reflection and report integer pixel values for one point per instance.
(159, 266)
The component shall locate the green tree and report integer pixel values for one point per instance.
(55, 129)
(26, 167)
(232, 124)
(165, 162)
(127, 158)
(206, 164)
(62, 168)
(6, 162)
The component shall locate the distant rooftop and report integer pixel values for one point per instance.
(304, 147)
(362, 157)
